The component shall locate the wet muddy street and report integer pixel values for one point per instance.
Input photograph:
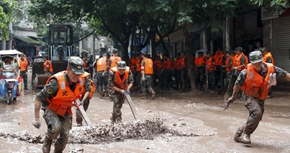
(173, 122)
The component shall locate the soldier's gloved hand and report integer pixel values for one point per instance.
(227, 104)
(127, 92)
(234, 68)
(81, 103)
(143, 79)
(123, 91)
(36, 122)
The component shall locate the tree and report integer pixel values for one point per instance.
(6, 10)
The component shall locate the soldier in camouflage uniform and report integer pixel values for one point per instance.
(210, 67)
(89, 89)
(255, 82)
(120, 81)
(56, 100)
(102, 75)
(147, 73)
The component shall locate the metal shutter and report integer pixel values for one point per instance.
(281, 42)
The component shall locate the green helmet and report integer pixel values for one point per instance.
(76, 64)
(121, 65)
(256, 57)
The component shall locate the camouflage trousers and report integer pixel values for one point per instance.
(184, 80)
(24, 76)
(147, 85)
(58, 128)
(118, 99)
(200, 77)
(256, 111)
(211, 80)
(86, 104)
(102, 81)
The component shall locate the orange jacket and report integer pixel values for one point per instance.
(93, 88)
(193, 61)
(228, 63)
(118, 82)
(102, 64)
(133, 62)
(47, 65)
(169, 64)
(268, 55)
(237, 61)
(255, 85)
(114, 60)
(209, 63)
(148, 65)
(64, 98)
(138, 65)
(176, 64)
(85, 63)
(199, 61)
(218, 57)
(182, 62)
(23, 65)
(246, 59)
(158, 64)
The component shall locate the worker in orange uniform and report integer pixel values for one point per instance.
(255, 82)
(200, 70)
(112, 62)
(210, 68)
(176, 71)
(102, 75)
(89, 90)
(183, 71)
(268, 58)
(146, 75)
(47, 66)
(23, 70)
(228, 68)
(120, 81)
(219, 59)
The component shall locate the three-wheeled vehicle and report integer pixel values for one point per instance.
(10, 79)
(60, 40)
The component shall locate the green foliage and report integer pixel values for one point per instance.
(121, 18)
(6, 10)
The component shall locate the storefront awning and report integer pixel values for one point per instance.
(28, 40)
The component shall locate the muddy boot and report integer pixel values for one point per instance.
(46, 144)
(153, 94)
(238, 135)
(245, 139)
(119, 120)
(101, 95)
(113, 118)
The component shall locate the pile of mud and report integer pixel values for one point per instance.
(103, 133)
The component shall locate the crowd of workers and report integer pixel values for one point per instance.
(115, 78)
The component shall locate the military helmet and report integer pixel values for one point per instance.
(121, 65)
(115, 50)
(265, 49)
(256, 57)
(76, 64)
(239, 49)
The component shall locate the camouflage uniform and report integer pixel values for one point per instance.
(200, 77)
(211, 80)
(255, 106)
(118, 98)
(58, 127)
(147, 83)
(86, 102)
(102, 82)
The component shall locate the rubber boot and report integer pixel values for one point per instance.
(153, 94)
(238, 135)
(46, 144)
(245, 139)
